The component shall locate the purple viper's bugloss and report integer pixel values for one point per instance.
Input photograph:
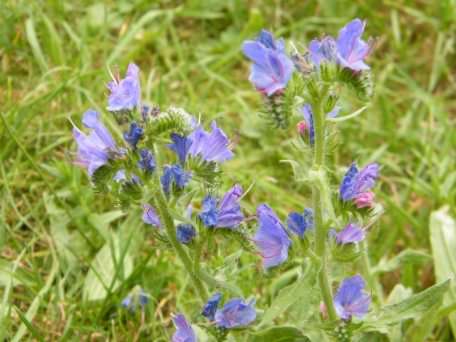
(211, 306)
(351, 299)
(271, 237)
(174, 175)
(184, 331)
(272, 68)
(134, 134)
(150, 216)
(356, 184)
(125, 93)
(146, 161)
(185, 233)
(352, 233)
(180, 146)
(95, 149)
(299, 223)
(224, 214)
(235, 313)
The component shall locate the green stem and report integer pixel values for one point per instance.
(170, 229)
(366, 269)
(319, 189)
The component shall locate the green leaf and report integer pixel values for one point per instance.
(443, 243)
(288, 296)
(279, 334)
(409, 308)
(110, 266)
(407, 256)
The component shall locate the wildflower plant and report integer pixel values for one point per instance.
(167, 167)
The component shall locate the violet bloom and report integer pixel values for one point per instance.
(211, 147)
(174, 175)
(271, 237)
(180, 146)
(352, 233)
(349, 50)
(224, 214)
(146, 161)
(185, 233)
(184, 331)
(133, 135)
(307, 113)
(272, 68)
(356, 184)
(300, 223)
(235, 313)
(136, 297)
(125, 93)
(210, 307)
(95, 149)
(351, 299)
(150, 216)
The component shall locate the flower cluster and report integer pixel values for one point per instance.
(156, 166)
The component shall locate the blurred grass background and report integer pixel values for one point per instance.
(54, 59)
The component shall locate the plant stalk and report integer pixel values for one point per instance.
(318, 190)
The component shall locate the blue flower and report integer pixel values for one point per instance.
(180, 146)
(211, 147)
(299, 224)
(306, 111)
(150, 216)
(225, 214)
(210, 307)
(272, 68)
(95, 149)
(125, 93)
(185, 233)
(174, 174)
(271, 238)
(356, 184)
(136, 297)
(349, 50)
(352, 233)
(133, 135)
(184, 331)
(146, 161)
(209, 213)
(235, 313)
(351, 299)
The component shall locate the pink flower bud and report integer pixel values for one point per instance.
(365, 200)
(302, 127)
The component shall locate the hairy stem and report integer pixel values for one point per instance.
(170, 229)
(319, 189)
(366, 269)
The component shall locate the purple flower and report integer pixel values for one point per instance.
(125, 93)
(210, 307)
(184, 331)
(307, 113)
(95, 149)
(136, 297)
(133, 135)
(356, 184)
(211, 147)
(350, 299)
(174, 175)
(150, 216)
(323, 51)
(224, 214)
(272, 68)
(271, 237)
(185, 233)
(299, 224)
(349, 50)
(235, 313)
(352, 233)
(180, 146)
(146, 161)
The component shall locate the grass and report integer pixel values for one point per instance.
(54, 60)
